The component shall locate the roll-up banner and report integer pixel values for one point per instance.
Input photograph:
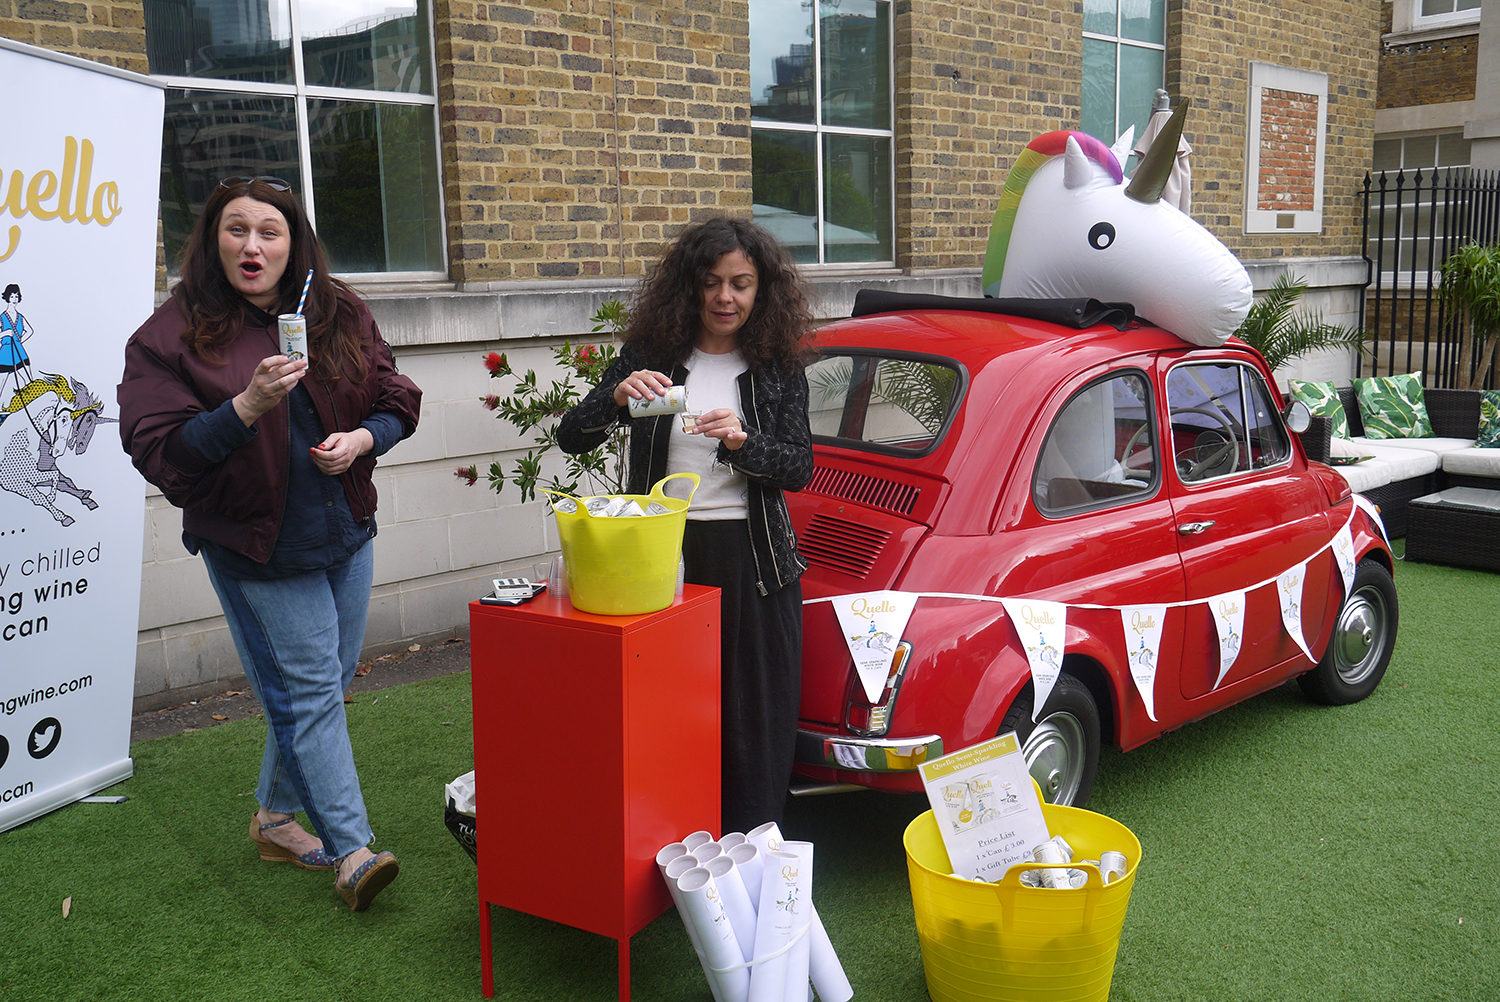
(79, 172)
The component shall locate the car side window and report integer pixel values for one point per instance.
(1223, 421)
(1101, 450)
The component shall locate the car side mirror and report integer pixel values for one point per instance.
(1297, 416)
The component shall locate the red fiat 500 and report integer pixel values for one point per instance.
(968, 457)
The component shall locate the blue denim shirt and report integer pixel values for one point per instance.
(317, 528)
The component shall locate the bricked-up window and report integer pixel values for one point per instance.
(821, 129)
(347, 116)
(1288, 116)
(1124, 62)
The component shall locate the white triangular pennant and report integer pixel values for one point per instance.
(1343, 555)
(1289, 593)
(1143, 625)
(1374, 513)
(1042, 627)
(873, 623)
(1228, 611)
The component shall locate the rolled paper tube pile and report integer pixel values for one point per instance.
(746, 900)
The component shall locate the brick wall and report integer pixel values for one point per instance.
(112, 33)
(580, 135)
(1288, 151)
(1210, 49)
(1428, 72)
(974, 85)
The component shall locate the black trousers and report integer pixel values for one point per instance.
(761, 672)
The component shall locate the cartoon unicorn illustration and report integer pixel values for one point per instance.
(1144, 657)
(65, 426)
(875, 640)
(1068, 226)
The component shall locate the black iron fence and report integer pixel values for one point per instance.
(1413, 220)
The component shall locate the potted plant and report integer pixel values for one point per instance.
(1471, 286)
(1280, 334)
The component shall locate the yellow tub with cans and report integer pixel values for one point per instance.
(1006, 942)
(624, 566)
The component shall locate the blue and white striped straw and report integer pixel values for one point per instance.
(305, 286)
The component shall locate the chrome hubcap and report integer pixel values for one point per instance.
(1360, 635)
(1054, 756)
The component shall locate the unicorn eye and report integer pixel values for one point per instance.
(1101, 235)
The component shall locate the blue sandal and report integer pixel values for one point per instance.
(313, 859)
(372, 877)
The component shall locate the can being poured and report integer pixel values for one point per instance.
(672, 401)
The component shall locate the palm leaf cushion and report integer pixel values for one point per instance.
(1323, 400)
(1393, 407)
(1489, 420)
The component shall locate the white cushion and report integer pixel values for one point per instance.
(1440, 446)
(1366, 476)
(1473, 462)
(1405, 463)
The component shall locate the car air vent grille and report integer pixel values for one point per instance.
(841, 545)
(873, 491)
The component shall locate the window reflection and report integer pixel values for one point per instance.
(856, 86)
(781, 61)
(365, 46)
(784, 186)
(248, 40)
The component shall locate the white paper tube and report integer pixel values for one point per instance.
(696, 839)
(670, 872)
(781, 894)
(720, 950)
(707, 851)
(736, 902)
(731, 840)
(824, 968)
(669, 852)
(766, 838)
(798, 960)
(747, 862)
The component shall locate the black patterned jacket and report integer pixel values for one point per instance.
(777, 455)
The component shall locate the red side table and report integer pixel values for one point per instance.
(595, 737)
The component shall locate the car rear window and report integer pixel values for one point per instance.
(896, 402)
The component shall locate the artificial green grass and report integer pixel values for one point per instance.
(1292, 852)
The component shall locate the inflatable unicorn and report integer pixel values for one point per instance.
(1068, 226)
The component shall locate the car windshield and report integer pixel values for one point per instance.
(897, 402)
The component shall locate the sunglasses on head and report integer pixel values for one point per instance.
(274, 183)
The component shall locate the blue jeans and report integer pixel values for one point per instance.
(299, 638)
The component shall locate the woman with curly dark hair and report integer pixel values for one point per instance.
(270, 459)
(725, 314)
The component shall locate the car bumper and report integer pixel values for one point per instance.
(836, 751)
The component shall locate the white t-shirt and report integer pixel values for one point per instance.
(722, 490)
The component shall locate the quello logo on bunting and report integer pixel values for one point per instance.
(872, 624)
(1042, 629)
(67, 195)
(1143, 625)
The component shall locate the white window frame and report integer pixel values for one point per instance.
(1119, 41)
(1406, 15)
(818, 130)
(301, 93)
(1263, 77)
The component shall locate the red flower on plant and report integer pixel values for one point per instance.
(468, 473)
(587, 353)
(496, 363)
(491, 402)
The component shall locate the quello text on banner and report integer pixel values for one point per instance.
(66, 195)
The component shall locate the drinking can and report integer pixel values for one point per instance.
(672, 401)
(293, 330)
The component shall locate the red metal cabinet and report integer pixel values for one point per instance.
(596, 742)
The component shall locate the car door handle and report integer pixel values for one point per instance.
(1193, 528)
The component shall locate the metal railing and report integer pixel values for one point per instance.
(1413, 220)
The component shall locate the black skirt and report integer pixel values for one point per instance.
(761, 671)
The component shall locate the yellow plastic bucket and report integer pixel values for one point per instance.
(1009, 942)
(624, 566)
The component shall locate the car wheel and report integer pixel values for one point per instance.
(1363, 638)
(1062, 747)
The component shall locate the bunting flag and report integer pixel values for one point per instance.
(1143, 625)
(1343, 555)
(1042, 627)
(1372, 510)
(873, 623)
(1289, 592)
(1229, 619)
